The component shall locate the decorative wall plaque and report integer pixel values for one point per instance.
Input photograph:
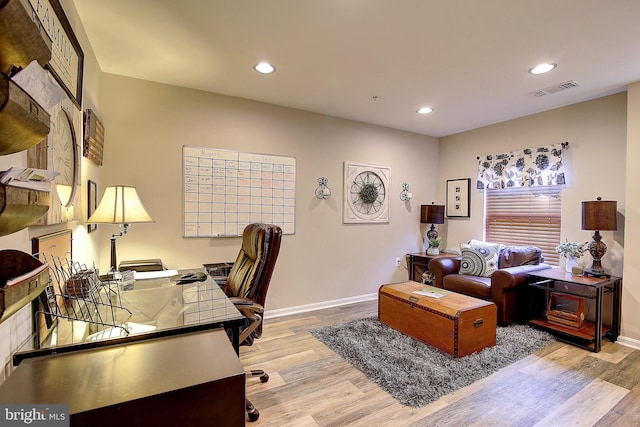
(67, 58)
(93, 144)
(366, 193)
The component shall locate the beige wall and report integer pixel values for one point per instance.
(148, 123)
(596, 165)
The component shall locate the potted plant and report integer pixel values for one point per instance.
(571, 251)
(434, 247)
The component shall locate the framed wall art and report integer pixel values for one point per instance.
(92, 198)
(93, 144)
(67, 59)
(366, 193)
(458, 198)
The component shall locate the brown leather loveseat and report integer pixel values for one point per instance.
(501, 278)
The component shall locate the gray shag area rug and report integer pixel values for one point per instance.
(415, 373)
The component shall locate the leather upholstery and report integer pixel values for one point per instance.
(250, 276)
(506, 287)
(249, 263)
(513, 256)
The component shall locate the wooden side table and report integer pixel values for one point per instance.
(589, 335)
(419, 263)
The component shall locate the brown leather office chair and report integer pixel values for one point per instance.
(248, 282)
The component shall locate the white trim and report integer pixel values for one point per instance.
(628, 342)
(270, 314)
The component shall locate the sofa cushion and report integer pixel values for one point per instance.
(480, 259)
(514, 256)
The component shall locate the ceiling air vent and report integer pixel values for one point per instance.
(556, 88)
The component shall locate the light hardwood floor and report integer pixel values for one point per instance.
(560, 385)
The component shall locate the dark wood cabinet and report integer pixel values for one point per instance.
(192, 379)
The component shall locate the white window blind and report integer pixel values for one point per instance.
(525, 216)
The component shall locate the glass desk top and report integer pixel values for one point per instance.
(115, 312)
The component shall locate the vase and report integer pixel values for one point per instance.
(571, 262)
(433, 251)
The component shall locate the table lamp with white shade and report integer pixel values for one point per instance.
(120, 205)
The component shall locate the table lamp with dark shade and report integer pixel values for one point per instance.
(431, 214)
(598, 215)
(121, 205)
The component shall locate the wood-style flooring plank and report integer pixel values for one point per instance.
(311, 386)
(587, 406)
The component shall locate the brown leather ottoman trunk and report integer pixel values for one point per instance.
(454, 323)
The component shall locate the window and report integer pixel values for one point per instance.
(525, 216)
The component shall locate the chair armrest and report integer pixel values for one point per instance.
(239, 301)
(440, 267)
(509, 292)
(247, 307)
(246, 304)
(511, 277)
(253, 312)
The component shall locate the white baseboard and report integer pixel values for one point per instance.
(629, 342)
(269, 314)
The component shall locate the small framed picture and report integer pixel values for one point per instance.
(458, 198)
(92, 198)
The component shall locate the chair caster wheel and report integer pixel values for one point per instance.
(253, 415)
(264, 378)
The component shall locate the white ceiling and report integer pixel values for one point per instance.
(468, 59)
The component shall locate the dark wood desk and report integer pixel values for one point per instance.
(193, 379)
(149, 309)
(419, 263)
(589, 335)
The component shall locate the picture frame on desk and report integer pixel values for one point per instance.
(458, 198)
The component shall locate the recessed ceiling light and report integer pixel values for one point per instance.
(425, 110)
(265, 68)
(542, 68)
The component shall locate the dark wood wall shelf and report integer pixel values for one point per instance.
(20, 208)
(23, 122)
(22, 37)
(32, 280)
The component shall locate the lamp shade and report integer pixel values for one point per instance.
(120, 204)
(599, 215)
(432, 214)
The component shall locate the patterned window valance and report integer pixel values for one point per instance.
(530, 167)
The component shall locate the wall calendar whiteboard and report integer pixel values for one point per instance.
(226, 190)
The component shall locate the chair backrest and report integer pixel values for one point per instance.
(252, 270)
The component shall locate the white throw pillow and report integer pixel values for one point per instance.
(479, 258)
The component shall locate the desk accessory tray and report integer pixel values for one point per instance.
(83, 296)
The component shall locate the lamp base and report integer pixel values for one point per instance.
(432, 233)
(597, 249)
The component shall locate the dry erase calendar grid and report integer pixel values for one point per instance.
(225, 190)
